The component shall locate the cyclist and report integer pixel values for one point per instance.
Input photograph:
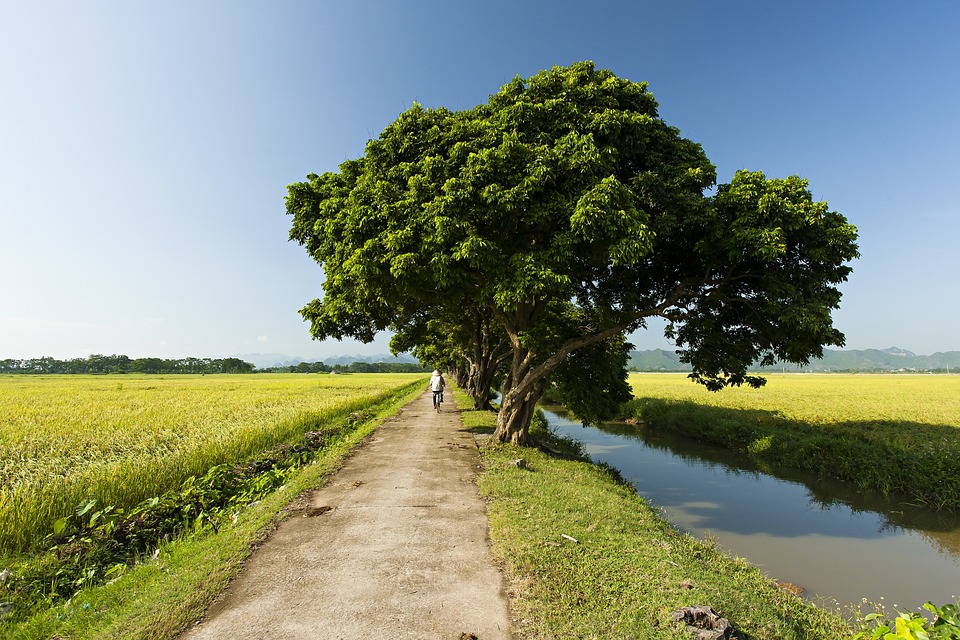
(437, 383)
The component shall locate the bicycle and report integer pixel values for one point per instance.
(437, 399)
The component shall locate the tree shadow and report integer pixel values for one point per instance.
(466, 413)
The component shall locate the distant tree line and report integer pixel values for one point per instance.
(101, 364)
(356, 367)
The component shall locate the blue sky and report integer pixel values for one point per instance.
(145, 148)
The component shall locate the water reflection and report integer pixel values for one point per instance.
(835, 540)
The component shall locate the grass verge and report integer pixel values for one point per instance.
(586, 557)
(159, 598)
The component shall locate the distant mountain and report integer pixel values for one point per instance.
(265, 360)
(268, 360)
(892, 359)
(656, 360)
(382, 357)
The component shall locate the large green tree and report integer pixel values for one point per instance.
(569, 212)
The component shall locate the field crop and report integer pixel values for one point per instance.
(891, 433)
(119, 440)
(824, 398)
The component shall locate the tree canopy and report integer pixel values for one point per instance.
(567, 212)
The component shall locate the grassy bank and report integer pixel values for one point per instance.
(160, 596)
(588, 558)
(889, 433)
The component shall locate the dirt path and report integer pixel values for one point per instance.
(402, 551)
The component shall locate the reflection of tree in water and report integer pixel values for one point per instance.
(946, 542)
(688, 449)
(941, 528)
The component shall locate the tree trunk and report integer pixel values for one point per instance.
(512, 425)
(523, 386)
(481, 379)
(489, 352)
(460, 376)
(519, 395)
(516, 412)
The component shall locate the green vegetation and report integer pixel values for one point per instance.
(120, 364)
(354, 367)
(555, 219)
(888, 433)
(100, 364)
(67, 439)
(942, 623)
(166, 558)
(586, 557)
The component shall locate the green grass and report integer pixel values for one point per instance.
(158, 599)
(889, 433)
(119, 440)
(628, 569)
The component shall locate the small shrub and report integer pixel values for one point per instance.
(912, 626)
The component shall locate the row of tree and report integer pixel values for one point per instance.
(97, 363)
(517, 243)
(355, 367)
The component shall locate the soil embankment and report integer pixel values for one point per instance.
(395, 546)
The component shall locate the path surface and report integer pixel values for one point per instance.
(402, 552)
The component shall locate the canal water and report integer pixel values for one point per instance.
(839, 543)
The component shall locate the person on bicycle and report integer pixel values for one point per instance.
(437, 383)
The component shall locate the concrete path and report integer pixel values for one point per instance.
(402, 552)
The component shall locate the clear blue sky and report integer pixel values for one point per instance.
(145, 148)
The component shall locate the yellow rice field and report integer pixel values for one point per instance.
(827, 399)
(120, 439)
(893, 433)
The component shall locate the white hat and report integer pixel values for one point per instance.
(436, 372)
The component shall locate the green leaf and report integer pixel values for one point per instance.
(84, 507)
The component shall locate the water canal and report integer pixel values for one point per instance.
(840, 544)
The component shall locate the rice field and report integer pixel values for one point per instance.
(119, 440)
(827, 399)
(893, 433)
